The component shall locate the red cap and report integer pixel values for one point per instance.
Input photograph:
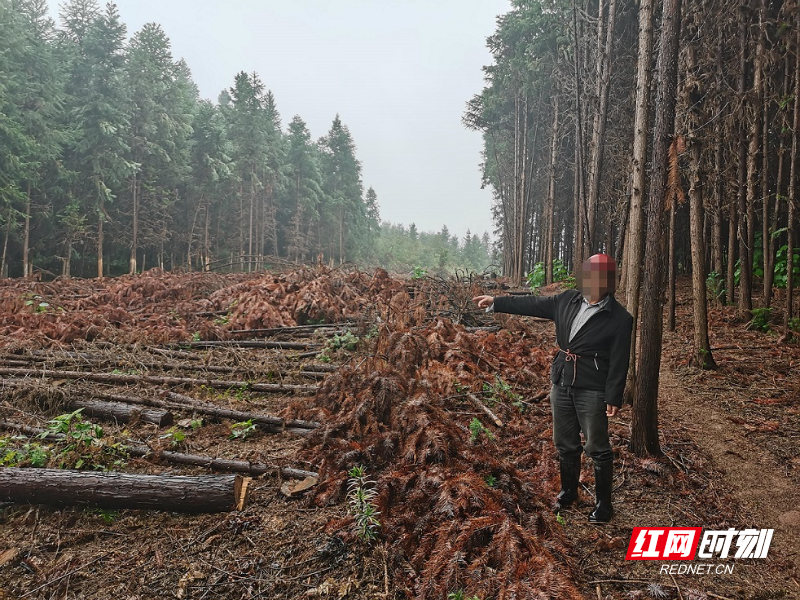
(600, 262)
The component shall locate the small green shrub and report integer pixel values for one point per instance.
(361, 495)
(174, 435)
(242, 430)
(715, 285)
(760, 320)
(476, 429)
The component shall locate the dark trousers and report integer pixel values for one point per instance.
(576, 410)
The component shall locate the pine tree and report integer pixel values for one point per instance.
(343, 189)
(98, 110)
(305, 191)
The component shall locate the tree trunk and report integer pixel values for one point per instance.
(176, 493)
(644, 434)
(122, 413)
(701, 355)
(671, 268)
(579, 188)
(135, 233)
(769, 253)
(100, 214)
(26, 245)
(730, 279)
(601, 117)
(67, 265)
(792, 196)
(769, 260)
(743, 194)
(250, 223)
(634, 237)
(4, 261)
(765, 229)
(206, 258)
(551, 196)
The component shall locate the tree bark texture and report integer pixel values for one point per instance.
(789, 313)
(635, 236)
(605, 47)
(175, 493)
(702, 356)
(644, 435)
(123, 413)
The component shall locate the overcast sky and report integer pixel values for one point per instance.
(398, 72)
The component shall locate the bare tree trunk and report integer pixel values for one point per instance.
(635, 238)
(765, 229)
(730, 280)
(769, 253)
(792, 193)
(135, 236)
(206, 239)
(644, 434)
(67, 265)
(189, 243)
(580, 193)
(769, 271)
(745, 259)
(671, 269)
(601, 116)
(702, 356)
(549, 211)
(26, 245)
(100, 215)
(4, 261)
(341, 234)
(250, 224)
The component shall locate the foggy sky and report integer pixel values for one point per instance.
(398, 72)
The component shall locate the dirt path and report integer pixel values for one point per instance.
(767, 490)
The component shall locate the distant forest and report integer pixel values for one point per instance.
(111, 163)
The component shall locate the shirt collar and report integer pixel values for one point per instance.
(602, 304)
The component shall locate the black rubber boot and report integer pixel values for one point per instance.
(570, 474)
(603, 480)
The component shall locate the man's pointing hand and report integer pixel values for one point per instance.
(483, 301)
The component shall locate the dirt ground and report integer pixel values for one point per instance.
(730, 438)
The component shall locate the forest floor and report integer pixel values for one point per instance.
(463, 507)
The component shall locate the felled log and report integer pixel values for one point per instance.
(249, 344)
(175, 493)
(180, 402)
(119, 378)
(209, 462)
(291, 328)
(225, 464)
(123, 413)
(238, 415)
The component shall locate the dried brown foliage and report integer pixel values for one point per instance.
(458, 513)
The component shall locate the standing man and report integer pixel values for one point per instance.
(593, 333)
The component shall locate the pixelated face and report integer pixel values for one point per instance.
(597, 277)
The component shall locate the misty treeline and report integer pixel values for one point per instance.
(662, 133)
(110, 163)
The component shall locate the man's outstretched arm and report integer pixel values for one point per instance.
(530, 306)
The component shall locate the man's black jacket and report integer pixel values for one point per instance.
(602, 345)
